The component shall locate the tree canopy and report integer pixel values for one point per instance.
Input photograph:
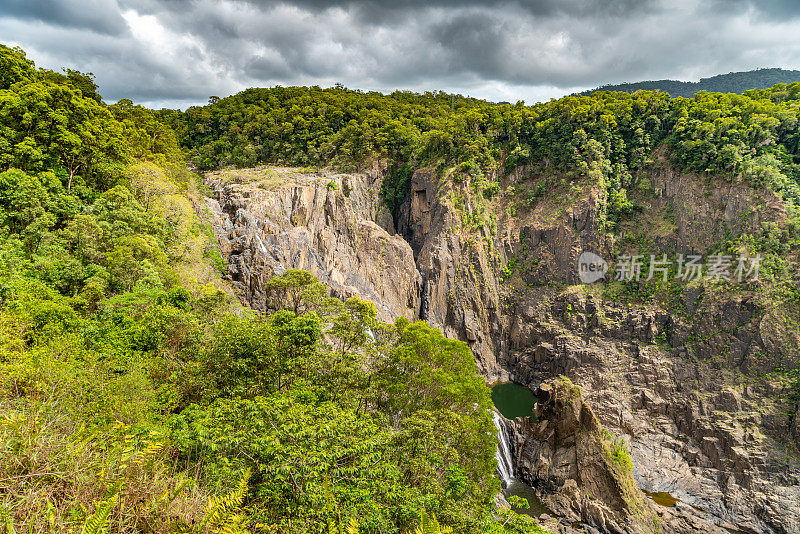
(608, 136)
(138, 395)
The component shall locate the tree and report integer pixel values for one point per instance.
(425, 370)
(352, 324)
(79, 80)
(242, 358)
(297, 290)
(14, 67)
(296, 344)
(46, 124)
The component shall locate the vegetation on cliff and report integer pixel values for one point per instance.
(137, 395)
(608, 141)
(608, 136)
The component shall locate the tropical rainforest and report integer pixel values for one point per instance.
(138, 395)
(733, 82)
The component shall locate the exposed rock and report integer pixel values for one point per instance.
(566, 456)
(338, 233)
(464, 302)
(684, 385)
(729, 400)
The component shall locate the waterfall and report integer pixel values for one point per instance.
(261, 245)
(505, 465)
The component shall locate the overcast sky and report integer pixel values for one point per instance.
(179, 52)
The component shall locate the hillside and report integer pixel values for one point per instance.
(733, 82)
(281, 312)
(138, 395)
(696, 373)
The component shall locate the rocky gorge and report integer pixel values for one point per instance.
(687, 384)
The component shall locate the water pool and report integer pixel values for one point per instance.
(513, 400)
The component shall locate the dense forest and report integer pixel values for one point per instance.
(608, 136)
(137, 394)
(609, 139)
(733, 82)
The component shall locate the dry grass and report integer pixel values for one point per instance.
(265, 177)
(54, 473)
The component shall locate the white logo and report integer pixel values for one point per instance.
(591, 267)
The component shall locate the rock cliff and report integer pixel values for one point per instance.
(685, 380)
(269, 220)
(568, 456)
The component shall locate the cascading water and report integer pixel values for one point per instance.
(505, 466)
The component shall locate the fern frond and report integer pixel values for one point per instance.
(148, 454)
(221, 507)
(429, 525)
(352, 527)
(234, 525)
(99, 520)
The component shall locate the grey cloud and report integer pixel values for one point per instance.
(478, 40)
(95, 15)
(394, 13)
(771, 10)
(381, 9)
(493, 46)
(122, 69)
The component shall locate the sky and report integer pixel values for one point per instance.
(176, 53)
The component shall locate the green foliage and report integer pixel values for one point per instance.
(395, 186)
(429, 525)
(733, 82)
(97, 523)
(296, 290)
(95, 319)
(79, 80)
(14, 67)
(617, 450)
(215, 257)
(133, 399)
(510, 521)
(56, 122)
(222, 511)
(329, 431)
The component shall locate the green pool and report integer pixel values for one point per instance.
(513, 400)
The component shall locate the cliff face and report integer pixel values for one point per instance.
(270, 220)
(686, 383)
(566, 454)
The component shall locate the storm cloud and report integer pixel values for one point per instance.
(179, 52)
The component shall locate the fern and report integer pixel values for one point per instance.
(99, 520)
(233, 525)
(429, 525)
(351, 527)
(220, 510)
(148, 454)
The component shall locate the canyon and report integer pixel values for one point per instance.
(689, 387)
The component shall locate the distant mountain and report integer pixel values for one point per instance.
(733, 82)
